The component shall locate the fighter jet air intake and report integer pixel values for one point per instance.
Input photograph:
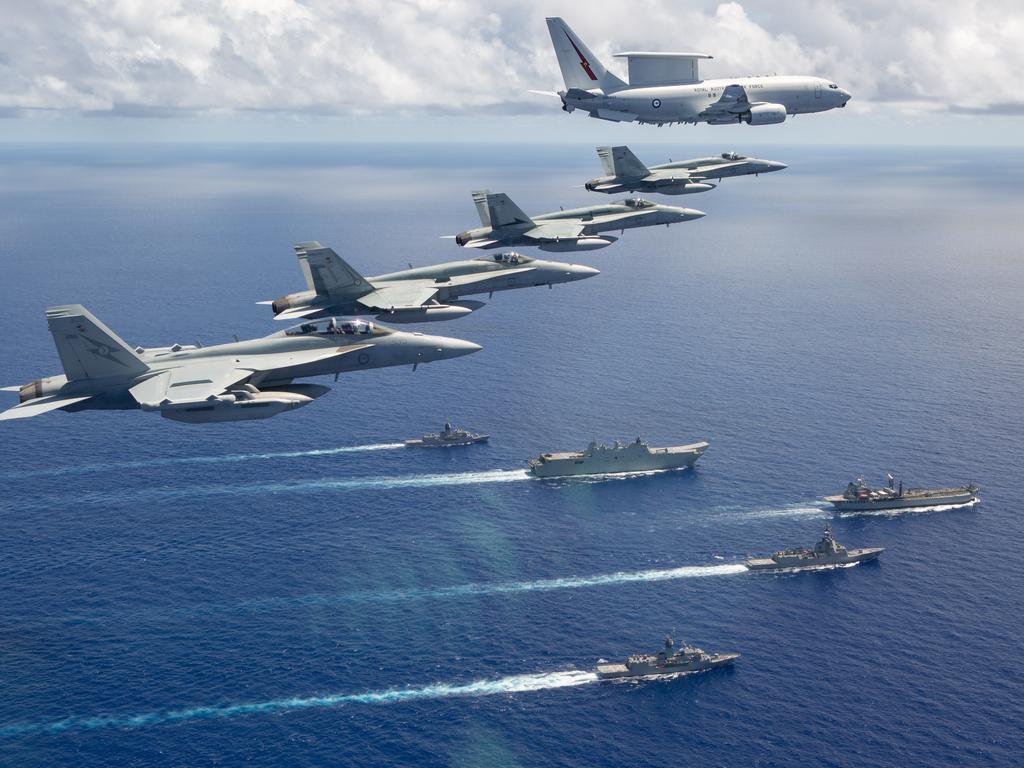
(240, 381)
(578, 229)
(413, 295)
(666, 88)
(625, 172)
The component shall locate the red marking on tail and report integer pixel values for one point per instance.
(583, 59)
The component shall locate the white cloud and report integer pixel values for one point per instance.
(349, 56)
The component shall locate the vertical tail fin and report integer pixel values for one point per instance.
(327, 274)
(580, 67)
(498, 210)
(620, 161)
(88, 349)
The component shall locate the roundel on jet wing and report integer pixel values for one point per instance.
(363, 358)
(656, 103)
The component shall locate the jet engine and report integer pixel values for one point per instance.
(765, 114)
(579, 244)
(246, 403)
(51, 385)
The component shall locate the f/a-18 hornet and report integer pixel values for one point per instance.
(667, 88)
(251, 379)
(578, 229)
(413, 295)
(627, 174)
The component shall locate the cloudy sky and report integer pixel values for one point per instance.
(934, 71)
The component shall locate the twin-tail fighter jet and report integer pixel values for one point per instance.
(240, 381)
(413, 295)
(579, 229)
(625, 172)
(666, 88)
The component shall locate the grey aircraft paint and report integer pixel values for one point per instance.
(413, 295)
(240, 381)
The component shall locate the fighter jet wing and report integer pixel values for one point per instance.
(400, 295)
(480, 277)
(733, 101)
(554, 230)
(201, 381)
(296, 313)
(38, 406)
(481, 243)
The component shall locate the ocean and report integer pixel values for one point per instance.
(304, 591)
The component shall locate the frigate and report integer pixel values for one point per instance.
(860, 497)
(827, 553)
(447, 437)
(666, 662)
(600, 459)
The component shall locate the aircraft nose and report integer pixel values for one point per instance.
(689, 214)
(845, 95)
(579, 271)
(449, 348)
(776, 166)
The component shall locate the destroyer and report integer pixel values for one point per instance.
(666, 662)
(827, 553)
(446, 438)
(618, 458)
(860, 497)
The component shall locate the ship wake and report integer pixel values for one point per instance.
(505, 685)
(220, 459)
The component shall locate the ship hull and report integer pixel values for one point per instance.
(657, 460)
(854, 557)
(418, 443)
(621, 671)
(901, 502)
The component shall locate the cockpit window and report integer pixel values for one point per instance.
(637, 202)
(508, 258)
(334, 327)
(733, 156)
(833, 86)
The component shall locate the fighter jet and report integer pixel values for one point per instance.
(252, 379)
(578, 229)
(413, 295)
(627, 174)
(666, 88)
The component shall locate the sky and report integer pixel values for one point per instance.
(921, 72)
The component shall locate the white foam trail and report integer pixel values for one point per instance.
(503, 587)
(513, 684)
(231, 457)
(352, 484)
(791, 510)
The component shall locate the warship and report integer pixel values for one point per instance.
(827, 553)
(666, 662)
(600, 459)
(860, 497)
(447, 437)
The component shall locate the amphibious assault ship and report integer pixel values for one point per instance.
(600, 459)
(446, 438)
(860, 497)
(827, 553)
(666, 662)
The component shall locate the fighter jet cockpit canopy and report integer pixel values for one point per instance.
(733, 156)
(335, 327)
(638, 203)
(509, 257)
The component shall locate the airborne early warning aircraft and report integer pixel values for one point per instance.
(683, 177)
(240, 381)
(417, 294)
(578, 229)
(666, 88)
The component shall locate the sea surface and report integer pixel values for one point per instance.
(304, 592)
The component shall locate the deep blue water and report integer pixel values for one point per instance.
(259, 593)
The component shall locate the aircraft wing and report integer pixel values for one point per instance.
(297, 313)
(201, 381)
(554, 230)
(483, 242)
(39, 405)
(480, 277)
(733, 101)
(400, 295)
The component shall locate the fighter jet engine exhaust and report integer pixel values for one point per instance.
(244, 404)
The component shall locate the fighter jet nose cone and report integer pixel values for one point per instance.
(458, 348)
(689, 214)
(776, 166)
(579, 272)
